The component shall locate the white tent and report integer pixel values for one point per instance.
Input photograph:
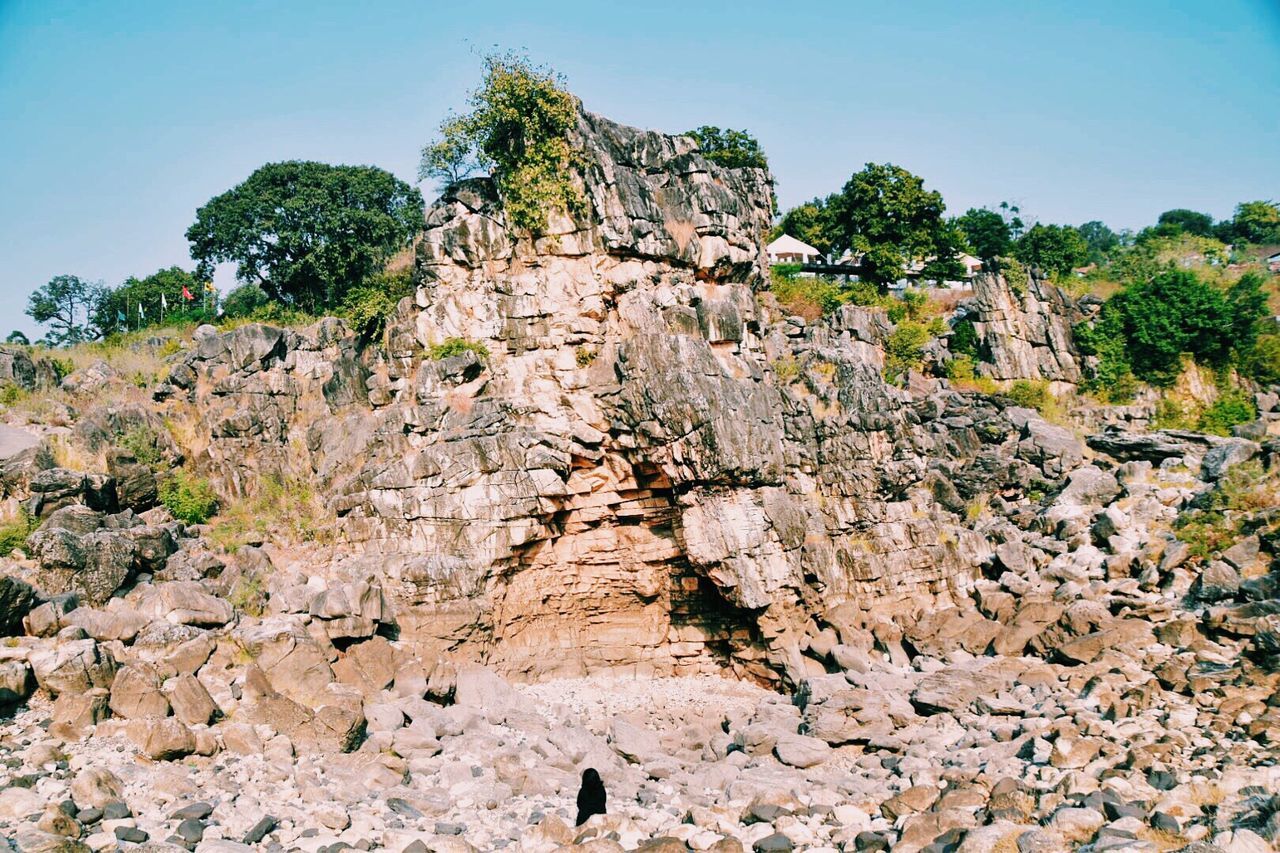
(787, 249)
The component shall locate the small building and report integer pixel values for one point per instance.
(788, 250)
(972, 265)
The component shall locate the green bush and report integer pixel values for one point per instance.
(904, 350)
(244, 300)
(1231, 408)
(14, 533)
(368, 306)
(962, 368)
(1030, 394)
(143, 442)
(1262, 361)
(450, 347)
(964, 339)
(188, 498)
(518, 128)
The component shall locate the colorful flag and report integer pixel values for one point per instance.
(208, 286)
(121, 319)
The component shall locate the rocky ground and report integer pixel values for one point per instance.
(1101, 688)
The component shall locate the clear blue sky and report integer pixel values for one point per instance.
(118, 120)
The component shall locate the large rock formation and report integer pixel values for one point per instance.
(1025, 332)
(627, 476)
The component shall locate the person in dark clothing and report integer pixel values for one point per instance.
(590, 796)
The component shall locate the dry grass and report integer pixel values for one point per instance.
(1206, 793)
(1163, 838)
(286, 511)
(70, 454)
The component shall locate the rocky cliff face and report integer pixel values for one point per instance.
(649, 470)
(1025, 333)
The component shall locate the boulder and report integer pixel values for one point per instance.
(189, 699)
(161, 738)
(801, 751)
(17, 598)
(135, 692)
(73, 666)
(186, 603)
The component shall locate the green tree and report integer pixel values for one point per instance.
(1256, 222)
(1052, 248)
(116, 309)
(885, 214)
(1173, 313)
(64, 304)
(18, 337)
(1100, 239)
(518, 129)
(986, 232)
(1247, 306)
(1190, 221)
(733, 149)
(809, 222)
(307, 232)
(452, 157)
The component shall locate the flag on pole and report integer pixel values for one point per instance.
(121, 319)
(142, 315)
(208, 285)
(164, 303)
(186, 294)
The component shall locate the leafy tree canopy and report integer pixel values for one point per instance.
(733, 149)
(810, 223)
(1256, 222)
(17, 337)
(1177, 312)
(518, 130)
(1100, 239)
(116, 310)
(885, 214)
(986, 232)
(1052, 248)
(1190, 221)
(64, 304)
(306, 232)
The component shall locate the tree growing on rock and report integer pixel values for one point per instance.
(517, 130)
(64, 304)
(307, 232)
(885, 214)
(733, 149)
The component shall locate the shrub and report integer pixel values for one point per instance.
(248, 595)
(1262, 361)
(14, 533)
(786, 368)
(1015, 275)
(1031, 394)
(964, 339)
(287, 509)
(450, 347)
(962, 368)
(143, 442)
(518, 128)
(1232, 407)
(188, 498)
(244, 300)
(11, 393)
(584, 356)
(904, 350)
(369, 305)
